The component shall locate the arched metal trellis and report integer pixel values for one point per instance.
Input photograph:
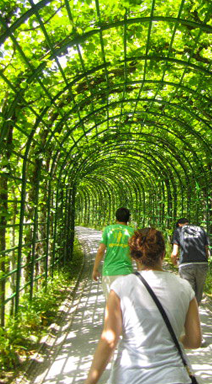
(103, 104)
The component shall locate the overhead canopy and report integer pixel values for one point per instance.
(111, 97)
(104, 103)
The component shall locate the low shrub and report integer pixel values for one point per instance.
(20, 337)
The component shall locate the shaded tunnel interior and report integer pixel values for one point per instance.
(103, 104)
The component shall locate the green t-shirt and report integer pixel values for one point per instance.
(117, 258)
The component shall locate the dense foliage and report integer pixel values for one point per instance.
(21, 339)
(103, 103)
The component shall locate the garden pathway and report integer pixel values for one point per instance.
(69, 355)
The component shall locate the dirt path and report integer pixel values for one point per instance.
(69, 355)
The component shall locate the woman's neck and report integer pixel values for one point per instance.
(153, 268)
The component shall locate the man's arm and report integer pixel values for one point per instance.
(98, 259)
(207, 243)
(174, 254)
(207, 251)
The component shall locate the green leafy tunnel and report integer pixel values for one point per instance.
(104, 103)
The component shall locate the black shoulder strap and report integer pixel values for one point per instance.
(163, 313)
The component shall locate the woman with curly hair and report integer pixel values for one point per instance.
(146, 351)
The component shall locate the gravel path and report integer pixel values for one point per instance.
(68, 354)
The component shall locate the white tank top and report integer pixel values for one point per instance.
(146, 352)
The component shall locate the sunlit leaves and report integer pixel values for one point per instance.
(85, 74)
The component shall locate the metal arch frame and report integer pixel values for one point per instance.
(178, 157)
(135, 20)
(129, 100)
(96, 177)
(128, 174)
(22, 209)
(80, 38)
(136, 160)
(181, 123)
(202, 27)
(61, 168)
(110, 181)
(185, 170)
(78, 141)
(134, 100)
(83, 163)
(182, 163)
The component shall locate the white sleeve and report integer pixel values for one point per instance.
(116, 286)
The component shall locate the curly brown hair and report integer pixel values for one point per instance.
(147, 245)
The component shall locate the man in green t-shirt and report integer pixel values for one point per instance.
(117, 261)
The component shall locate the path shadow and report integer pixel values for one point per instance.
(75, 355)
(201, 358)
(70, 357)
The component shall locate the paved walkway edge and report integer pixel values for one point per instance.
(54, 330)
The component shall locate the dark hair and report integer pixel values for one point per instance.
(123, 214)
(182, 221)
(147, 245)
